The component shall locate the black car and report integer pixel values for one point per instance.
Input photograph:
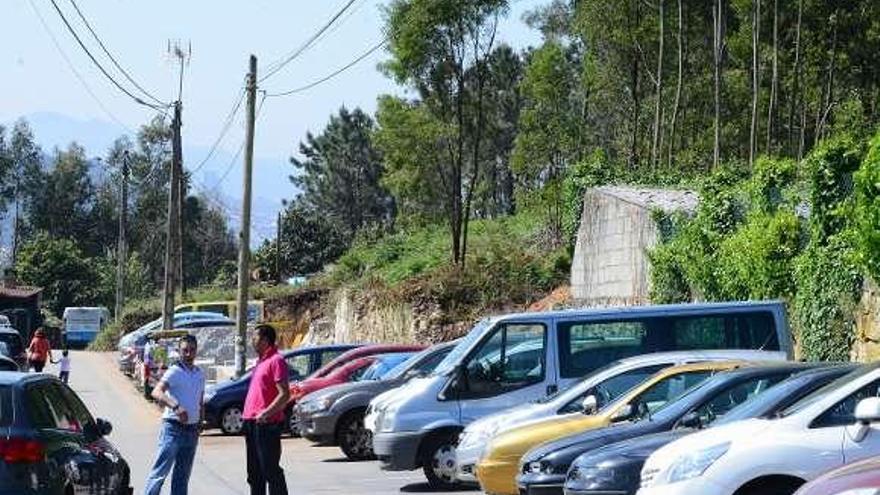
(224, 402)
(7, 364)
(616, 468)
(50, 444)
(12, 346)
(543, 470)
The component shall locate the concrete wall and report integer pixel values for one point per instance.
(610, 265)
(866, 347)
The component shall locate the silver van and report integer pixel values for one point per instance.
(514, 359)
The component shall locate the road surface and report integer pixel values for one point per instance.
(220, 463)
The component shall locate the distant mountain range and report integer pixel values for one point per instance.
(270, 180)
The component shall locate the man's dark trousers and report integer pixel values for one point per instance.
(263, 443)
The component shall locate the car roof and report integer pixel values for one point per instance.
(643, 310)
(696, 355)
(5, 329)
(318, 348)
(16, 377)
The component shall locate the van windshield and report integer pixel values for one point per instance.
(458, 353)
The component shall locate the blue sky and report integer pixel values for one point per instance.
(39, 86)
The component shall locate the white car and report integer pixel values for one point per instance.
(837, 424)
(604, 385)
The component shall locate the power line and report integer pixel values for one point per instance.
(226, 126)
(75, 72)
(98, 65)
(110, 56)
(334, 73)
(305, 46)
(240, 148)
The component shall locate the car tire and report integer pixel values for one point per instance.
(231, 422)
(292, 423)
(771, 487)
(355, 440)
(438, 461)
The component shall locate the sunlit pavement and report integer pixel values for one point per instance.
(220, 462)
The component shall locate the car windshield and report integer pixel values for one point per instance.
(12, 342)
(457, 354)
(5, 405)
(570, 389)
(385, 365)
(818, 394)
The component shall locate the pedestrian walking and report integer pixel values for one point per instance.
(263, 415)
(64, 366)
(180, 390)
(38, 351)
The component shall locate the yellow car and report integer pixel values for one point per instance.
(499, 466)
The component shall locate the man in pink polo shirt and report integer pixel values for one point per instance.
(263, 416)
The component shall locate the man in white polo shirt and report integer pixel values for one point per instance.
(180, 390)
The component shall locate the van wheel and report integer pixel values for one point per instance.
(438, 461)
(231, 422)
(353, 438)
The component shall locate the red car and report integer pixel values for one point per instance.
(343, 367)
(856, 478)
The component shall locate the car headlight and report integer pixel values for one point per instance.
(209, 394)
(315, 406)
(543, 467)
(695, 464)
(591, 475)
(386, 420)
(477, 436)
(860, 491)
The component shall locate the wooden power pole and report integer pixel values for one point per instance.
(171, 235)
(244, 238)
(121, 261)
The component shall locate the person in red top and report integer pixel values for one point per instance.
(263, 415)
(38, 351)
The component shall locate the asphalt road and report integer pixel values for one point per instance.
(220, 463)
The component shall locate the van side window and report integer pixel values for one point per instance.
(734, 331)
(513, 357)
(585, 347)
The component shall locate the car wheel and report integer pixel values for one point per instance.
(355, 440)
(776, 486)
(438, 461)
(231, 422)
(292, 424)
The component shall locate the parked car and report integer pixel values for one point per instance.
(344, 369)
(616, 467)
(224, 401)
(420, 424)
(604, 385)
(858, 478)
(335, 415)
(497, 469)
(543, 469)
(131, 345)
(51, 444)
(13, 346)
(830, 427)
(6, 363)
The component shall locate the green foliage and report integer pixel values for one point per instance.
(592, 171)
(830, 170)
(868, 210)
(67, 277)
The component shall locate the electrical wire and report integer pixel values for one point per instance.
(226, 126)
(75, 72)
(305, 46)
(240, 148)
(110, 56)
(333, 74)
(98, 65)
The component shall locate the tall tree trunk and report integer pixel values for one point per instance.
(718, 49)
(634, 87)
(796, 97)
(655, 156)
(674, 120)
(756, 33)
(774, 82)
(828, 99)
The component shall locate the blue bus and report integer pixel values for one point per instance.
(81, 325)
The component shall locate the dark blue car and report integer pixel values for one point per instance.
(224, 401)
(51, 445)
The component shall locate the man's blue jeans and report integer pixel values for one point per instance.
(177, 448)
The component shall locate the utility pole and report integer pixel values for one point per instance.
(181, 196)
(171, 235)
(181, 55)
(244, 239)
(278, 250)
(121, 262)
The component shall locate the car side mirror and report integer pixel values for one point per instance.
(104, 427)
(691, 420)
(590, 405)
(625, 413)
(867, 412)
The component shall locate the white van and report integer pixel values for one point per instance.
(514, 359)
(82, 325)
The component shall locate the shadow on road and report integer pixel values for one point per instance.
(426, 488)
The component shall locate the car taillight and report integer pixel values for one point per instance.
(20, 450)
